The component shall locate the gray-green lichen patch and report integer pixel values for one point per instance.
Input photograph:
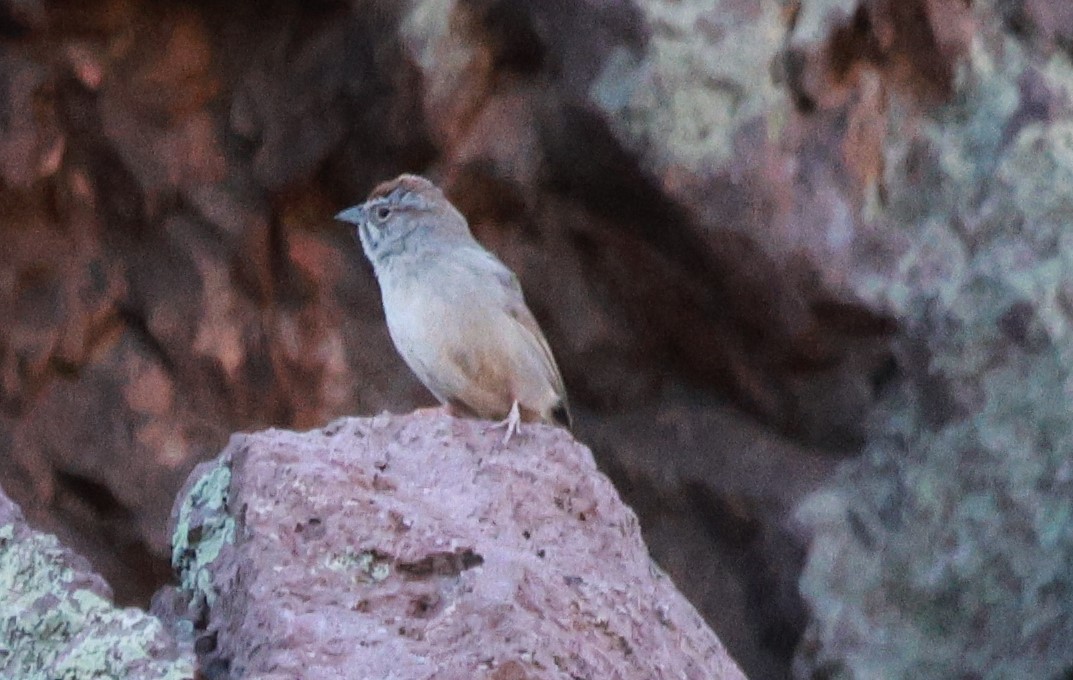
(366, 563)
(706, 74)
(954, 548)
(202, 528)
(56, 622)
(946, 550)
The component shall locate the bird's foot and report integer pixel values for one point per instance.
(511, 423)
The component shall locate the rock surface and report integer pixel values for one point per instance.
(171, 275)
(421, 547)
(57, 620)
(947, 548)
(762, 237)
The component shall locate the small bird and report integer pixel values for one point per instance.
(454, 311)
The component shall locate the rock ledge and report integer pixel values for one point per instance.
(419, 546)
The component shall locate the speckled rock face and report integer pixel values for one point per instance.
(848, 219)
(57, 621)
(946, 550)
(420, 547)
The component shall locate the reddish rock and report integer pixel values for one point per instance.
(710, 204)
(420, 546)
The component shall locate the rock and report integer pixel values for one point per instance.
(719, 492)
(764, 205)
(748, 227)
(417, 545)
(57, 619)
(171, 273)
(154, 298)
(946, 548)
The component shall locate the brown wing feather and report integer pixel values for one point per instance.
(519, 311)
(522, 315)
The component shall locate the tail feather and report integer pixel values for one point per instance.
(560, 414)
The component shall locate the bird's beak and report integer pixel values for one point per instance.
(355, 215)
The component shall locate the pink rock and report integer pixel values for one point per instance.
(418, 547)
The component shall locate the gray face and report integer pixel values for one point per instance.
(374, 228)
(386, 225)
(383, 224)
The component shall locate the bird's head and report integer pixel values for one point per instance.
(404, 214)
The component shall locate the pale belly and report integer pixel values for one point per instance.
(465, 350)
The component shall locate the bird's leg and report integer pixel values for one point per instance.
(511, 422)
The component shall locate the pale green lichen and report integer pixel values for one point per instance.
(202, 529)
(364, 563)
(694, 88)
(52, 629)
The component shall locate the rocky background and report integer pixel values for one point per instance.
(806, 266)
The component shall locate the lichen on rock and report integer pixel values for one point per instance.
(57, 620)
(202, 529)
(947, 548)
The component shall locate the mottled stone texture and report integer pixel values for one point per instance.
(946, 550)
(421, 547)
(762, 237)
(170, 273)
(57, 621)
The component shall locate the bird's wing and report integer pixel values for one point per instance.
(519, 311)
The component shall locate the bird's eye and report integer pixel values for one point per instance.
(383, 212)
